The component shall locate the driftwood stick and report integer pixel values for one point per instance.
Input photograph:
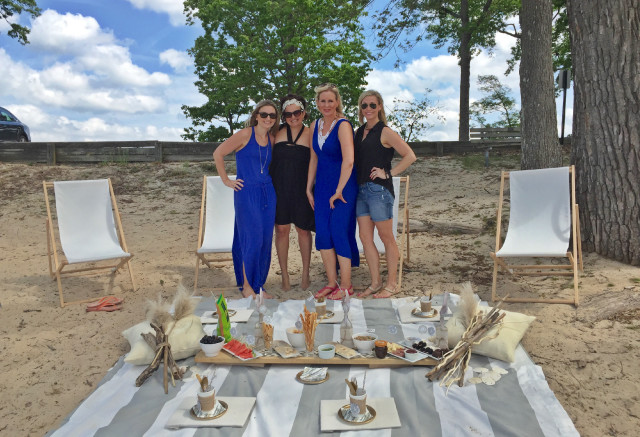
(150, 339)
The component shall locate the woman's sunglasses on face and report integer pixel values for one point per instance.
(295, 113)
(272, 115)
(365, 105)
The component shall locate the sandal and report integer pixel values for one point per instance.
(388, 292)
(107, 308)
(107, 300)
(337, 294)
(323, 293)
(367, 293)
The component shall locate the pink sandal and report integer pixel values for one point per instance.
(322, 293)
(337, 295)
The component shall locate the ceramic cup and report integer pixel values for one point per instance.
(207, 400)
(326, 351)
(321, 308)
(425, 304)
(358, 403)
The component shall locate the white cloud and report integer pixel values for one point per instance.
(179, 61)
(174, 8)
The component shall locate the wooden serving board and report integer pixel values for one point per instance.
(226, 359)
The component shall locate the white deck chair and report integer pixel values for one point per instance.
(543, 218)
(217, 219)
(87, 231)
(404, 218)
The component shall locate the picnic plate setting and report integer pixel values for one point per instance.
(327, 315)
(220, 409)
(344, 413)
(313, 375)
(231, 313)
(424, 315)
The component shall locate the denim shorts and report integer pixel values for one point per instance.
(375, 201)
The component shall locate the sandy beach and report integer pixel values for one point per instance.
(53, 357)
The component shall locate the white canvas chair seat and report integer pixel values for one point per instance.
(403, 217)
(217, 220)
(543, 217)
(87, 229)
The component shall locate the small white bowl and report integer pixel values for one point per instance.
(211, 350)
(296, 339)
(326, 351)
(364, 346)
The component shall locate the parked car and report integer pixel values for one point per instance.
(12, 129)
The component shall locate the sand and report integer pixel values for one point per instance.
(52, 358)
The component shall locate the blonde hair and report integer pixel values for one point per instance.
(381, 115)
(253, 119)
(333, 88)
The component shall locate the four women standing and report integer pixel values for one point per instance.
(324, 157)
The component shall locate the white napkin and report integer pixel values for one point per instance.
(236, 415)
(386, 415)
(240, 316)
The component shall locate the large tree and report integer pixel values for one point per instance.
(465, 26)
(605, 46)
(9, 8)
(539, 124)
(258, 49)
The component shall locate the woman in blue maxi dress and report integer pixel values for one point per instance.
(335, 192)
(254, 197)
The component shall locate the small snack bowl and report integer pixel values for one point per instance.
(364, 342)
(410, 354)
(326, 351)
(296, 338)
(211, 345)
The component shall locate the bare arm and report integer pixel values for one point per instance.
(345, 134)
(390, 138)
(232, 144)
(313, 168)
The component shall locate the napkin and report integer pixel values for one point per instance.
(236, 415)
(240, 316)
(386, 415)
(404, 312)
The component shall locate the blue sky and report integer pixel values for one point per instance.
(118, 70)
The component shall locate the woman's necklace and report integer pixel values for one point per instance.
(266, 157)
(323, 137)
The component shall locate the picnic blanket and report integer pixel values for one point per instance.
(521, 403)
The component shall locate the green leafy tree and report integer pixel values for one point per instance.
(497, 100)
(412, 118)
(464, 26)
(258, 49)
(9, 8)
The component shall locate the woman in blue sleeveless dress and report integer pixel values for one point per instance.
(336, 189)
(254, 197)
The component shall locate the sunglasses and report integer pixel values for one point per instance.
(328, 84)
(295, 113)
(272, 115)
(366, 105)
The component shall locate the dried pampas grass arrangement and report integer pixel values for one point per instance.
(159, 311)
(468, 302)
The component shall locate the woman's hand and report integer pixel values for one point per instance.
(236, 184)
(337, 196)
(311, 200)
(378, 173)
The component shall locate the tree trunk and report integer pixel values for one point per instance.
(539, 125)
(465, 72)
(606, 124)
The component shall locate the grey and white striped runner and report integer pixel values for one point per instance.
(521, 403)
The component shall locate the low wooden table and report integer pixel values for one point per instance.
(226, 359)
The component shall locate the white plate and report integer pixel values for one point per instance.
(255, 353)
(417, 357)
(406, 343)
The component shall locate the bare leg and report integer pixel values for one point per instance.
(304, 241)
(366, 226)
(282, 249)
(385, 230)
(345, 276)
(247, 291)
(329, 261)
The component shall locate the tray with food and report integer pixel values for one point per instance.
(240, 350)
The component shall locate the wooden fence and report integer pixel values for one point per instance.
(166, 151)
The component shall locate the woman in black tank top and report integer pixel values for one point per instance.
(289, 170)
(375, 144)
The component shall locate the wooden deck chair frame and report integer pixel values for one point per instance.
(207, 258)
(574, 255)
(60, 264)
(404, 246)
